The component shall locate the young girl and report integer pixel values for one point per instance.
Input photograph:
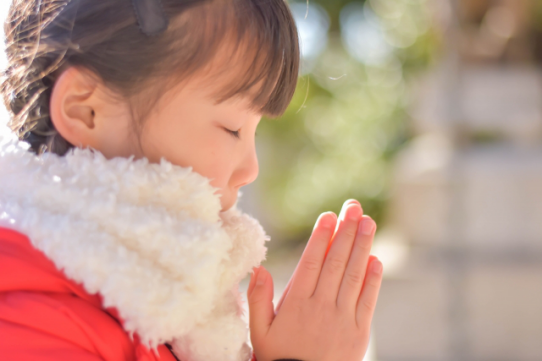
(119, 236)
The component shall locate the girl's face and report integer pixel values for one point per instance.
(188, 128)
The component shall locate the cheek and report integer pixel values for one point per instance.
(214, 164)
(205, 150)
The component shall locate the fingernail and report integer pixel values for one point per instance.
(353, 212)
(376, 266)
(325, 220)
(345, 207)
(352, 201)
(261, 278)
(367, 226)
(318, 220)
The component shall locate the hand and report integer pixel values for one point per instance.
(327, 309)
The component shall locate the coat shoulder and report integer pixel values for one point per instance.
(43, 315)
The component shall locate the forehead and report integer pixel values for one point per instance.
(204, 92)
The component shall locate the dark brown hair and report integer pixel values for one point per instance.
(43, 37)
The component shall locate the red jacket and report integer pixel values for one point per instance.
(45, 316)
(148, 239)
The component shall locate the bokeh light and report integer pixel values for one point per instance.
(313, 25)
(363, 34)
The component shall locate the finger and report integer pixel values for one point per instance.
(343, 210)
(260, 303)
(354, 275)
(369, 294)
(284, 294)
(341, 218)
(252, 280)
(339, 253)
(287, 288)
(308, 270)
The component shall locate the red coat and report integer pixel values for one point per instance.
(45, 316)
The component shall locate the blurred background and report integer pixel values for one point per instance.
(430, 113)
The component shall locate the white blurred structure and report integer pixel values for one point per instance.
(468, 200)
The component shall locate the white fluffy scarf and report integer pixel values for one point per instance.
(150, 238)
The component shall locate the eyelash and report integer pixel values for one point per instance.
(234, 133)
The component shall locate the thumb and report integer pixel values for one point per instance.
(260, 302)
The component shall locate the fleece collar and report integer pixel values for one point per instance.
(150, 238)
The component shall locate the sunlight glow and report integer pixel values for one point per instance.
(313, 25)
(363, 35)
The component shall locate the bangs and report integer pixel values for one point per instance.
(267, 36)
(246, 48)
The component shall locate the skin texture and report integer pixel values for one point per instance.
(326, 311)
(187, 127)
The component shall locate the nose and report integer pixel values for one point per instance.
(248, 169)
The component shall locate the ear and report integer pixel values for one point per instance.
(72, 107)
(86, 114)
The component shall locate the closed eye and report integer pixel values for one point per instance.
(234, 133)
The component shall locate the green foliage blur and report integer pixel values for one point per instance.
(346, 122)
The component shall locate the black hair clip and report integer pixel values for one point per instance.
(151, 16)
